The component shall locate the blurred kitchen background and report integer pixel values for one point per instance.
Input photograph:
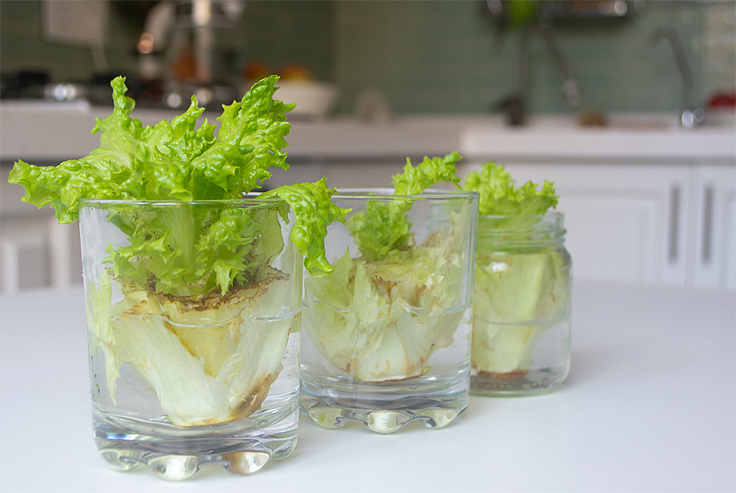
(627, 105)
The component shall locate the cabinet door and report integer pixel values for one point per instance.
(342, 175)
(713, 242)
(624, 222)
(35, 251)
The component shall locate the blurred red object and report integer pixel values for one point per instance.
(256, 70)
(185, 66)
(722, 100)
(295, 71)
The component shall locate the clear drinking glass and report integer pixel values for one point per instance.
(522, 305)
(388, 332)
(181, 373)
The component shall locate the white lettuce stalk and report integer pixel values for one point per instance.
(521, 278)
(207, 360)
(513, 292)
(382, 320)
(380, 317)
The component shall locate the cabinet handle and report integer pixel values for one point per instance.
(707, 224)
(674, 224)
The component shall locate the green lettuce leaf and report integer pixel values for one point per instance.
(383, 226)
(170, 160)
(499, 196)
(188, 250)
(314, 211)
(416, 179)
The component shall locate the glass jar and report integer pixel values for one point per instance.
(388, 332)
(521, 306)
(193, 322)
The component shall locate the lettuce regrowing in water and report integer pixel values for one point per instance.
(191, 266)
(521, 278)
(380, 316)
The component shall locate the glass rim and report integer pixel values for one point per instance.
(388, 194)
(517, 227)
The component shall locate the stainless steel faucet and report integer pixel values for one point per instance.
(516, 105)
(691, 116)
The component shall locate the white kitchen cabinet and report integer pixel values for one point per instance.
(624, 222)
(712, 248)
(35, 251)
(341, 175)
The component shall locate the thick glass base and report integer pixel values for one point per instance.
(383, 407)
(519, 382)
(176, 454)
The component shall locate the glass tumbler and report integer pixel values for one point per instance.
(388, 332)
(522, 305)
(193, 322)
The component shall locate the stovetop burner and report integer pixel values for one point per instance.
(29, 85)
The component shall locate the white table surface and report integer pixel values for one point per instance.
(650, 405)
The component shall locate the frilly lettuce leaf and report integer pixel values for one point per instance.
(314, 211)
(383, 226)
(170, 160)
(188, 251)
(499, 196)
(191, 249)
(415, 180)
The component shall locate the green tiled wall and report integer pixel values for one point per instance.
(274, 32)
(23, 47)
(438, 56)
(280, 33)
(443, 56)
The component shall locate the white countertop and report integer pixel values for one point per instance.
(650, 405)
(628, 137)
(41, 131)
(52, 132)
